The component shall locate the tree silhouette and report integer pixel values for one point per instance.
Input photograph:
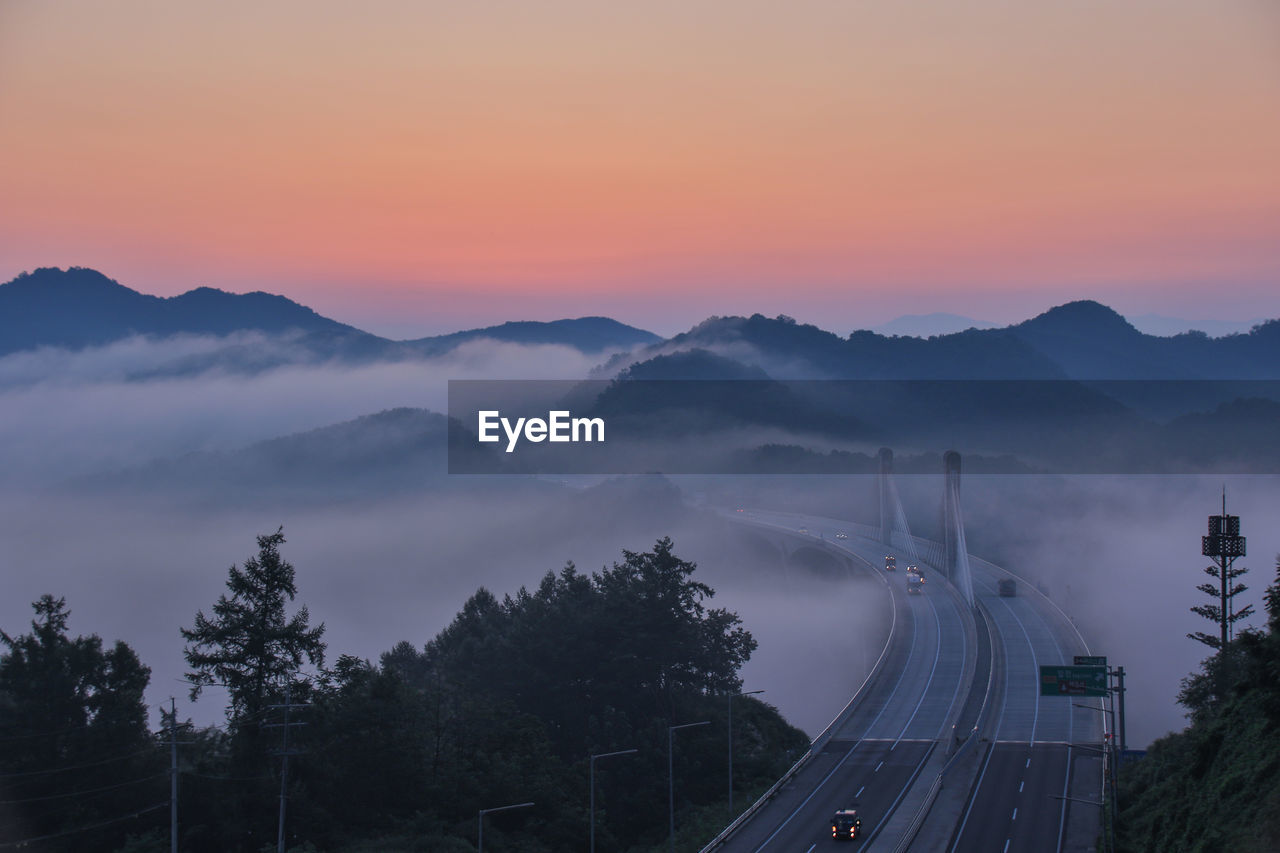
(250, 645)
(72, 718)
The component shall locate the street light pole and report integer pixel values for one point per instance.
(592, 775)
(483, 812)
(1109, 752)
(731, 697)
(1118, 690)
(671, 779)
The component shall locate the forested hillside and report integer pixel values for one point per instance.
(1216, 785)
(503, 706)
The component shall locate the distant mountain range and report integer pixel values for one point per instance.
(589, 335)
(929, 325)
(1076, 388)
(1158, 324)
(78, 308)
(1080, 340)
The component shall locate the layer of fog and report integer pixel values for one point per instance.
(1121, 556)
(139, 569)
(69, 413)
(775, 365)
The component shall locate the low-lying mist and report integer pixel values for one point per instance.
(380, 560)
(1121, 556)
(67, 413)
(138, 567)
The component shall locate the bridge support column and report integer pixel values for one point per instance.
(951, 513)
(887, 508)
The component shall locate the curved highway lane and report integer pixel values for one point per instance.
(1023, 799)
(877, 753)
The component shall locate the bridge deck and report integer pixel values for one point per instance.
(877, 757)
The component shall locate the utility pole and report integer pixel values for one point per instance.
(1110, 761)
(173, 773)
(1119, 689)
(671, 779)
(731, 697)
(284, 752)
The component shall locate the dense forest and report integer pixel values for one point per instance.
(505, 706)
(1216, 785)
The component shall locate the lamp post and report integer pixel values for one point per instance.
(592, 775)
(671, 779)
(731, 697)
(483, 812)
(1109, 752)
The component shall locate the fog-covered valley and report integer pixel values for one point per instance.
(132, 496)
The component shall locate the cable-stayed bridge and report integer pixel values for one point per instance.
(947, 745)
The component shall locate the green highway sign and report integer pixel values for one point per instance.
(1090, 660)
(1073, 681)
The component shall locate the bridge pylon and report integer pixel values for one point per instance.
(955, 553)
(950, 512)
(887, 509)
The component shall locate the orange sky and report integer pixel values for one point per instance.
(436, 164)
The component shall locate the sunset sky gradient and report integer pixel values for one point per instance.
(412, 167)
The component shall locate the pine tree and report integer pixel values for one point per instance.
(250, 645)
(72, 718)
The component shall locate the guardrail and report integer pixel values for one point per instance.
(1066, 619)
(931, 553)
(971, 662)
(916, 822)
(820, 741)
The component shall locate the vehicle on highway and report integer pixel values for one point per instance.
(1007, 588)
(840, 534)
(890, 562)
(845, 824)
(915, 580)
(804, 530)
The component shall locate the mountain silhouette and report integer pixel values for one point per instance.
(589, 335)
(78, 308)
(1080, 340)
(786, 349)
(1091, 341)
(930, 325)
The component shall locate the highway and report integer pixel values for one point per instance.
(1021, 799)
(875, 754)
(886, 749)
